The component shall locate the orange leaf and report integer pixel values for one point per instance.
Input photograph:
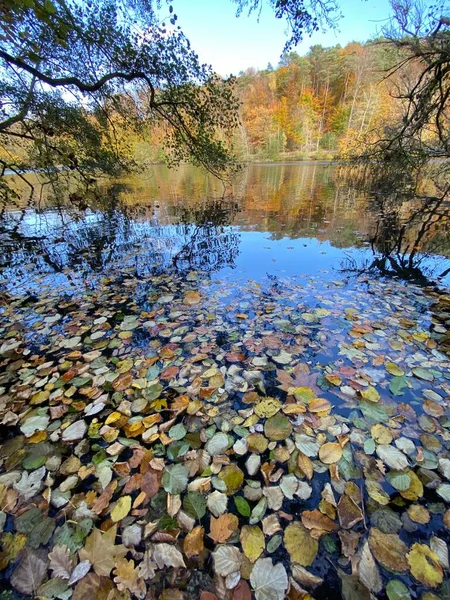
(223, 527)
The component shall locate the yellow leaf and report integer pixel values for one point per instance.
(100, 550)
(301, 546)
(329, 453)
(294, 409)
(37, 437)
(267, 407)
(419, 514)
(425, 566)
(305, 464)
(319, 405)
(371, 394)
(381, 434)
(333, 379)
(253, 542)
(415, 490)
(12, 545)
(393, 369)
(121, 509)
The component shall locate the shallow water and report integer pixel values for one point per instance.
(151, 345)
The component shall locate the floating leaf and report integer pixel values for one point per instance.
(227, 560)
(301, 546)
(277, 427)
(166, 555)
(30, 572)
(242, 506)
(397, 590)
(193, 543)
(397, 385)
(389, 550)
(305, 464)
(268, 581)
(394, 369)
(371, 394)
(233, 478)
(217, 503)
(121, 509)
(268, 407)
(399, 480)
(253, 542)
(218, 444)
(222, 528)
(191, 298)
(100, 550)
(175, 479)
(126, 577)
(422, 373)
(194, 505)
(330, 453)
(393, 457)
(425, 565)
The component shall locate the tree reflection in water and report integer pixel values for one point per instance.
(107, 233)
(409, 225)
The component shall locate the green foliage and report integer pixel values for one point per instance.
(82, 82)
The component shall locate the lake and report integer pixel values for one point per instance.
(277, 220)
(224, 391)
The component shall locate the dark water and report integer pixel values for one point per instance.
(275, 220)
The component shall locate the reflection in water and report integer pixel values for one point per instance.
(275, 219)
(408, 228)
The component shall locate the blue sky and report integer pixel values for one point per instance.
(231, 45)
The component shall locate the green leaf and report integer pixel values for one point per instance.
(396, 590)
(177, 432)
(175, 479)
(399, 481)
(242, 506)
(397, 385)
(194, 505)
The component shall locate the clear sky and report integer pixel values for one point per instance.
(231, 45)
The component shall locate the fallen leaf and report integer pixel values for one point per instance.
(126, 577)
(301, 546)
(330, 453)
(268, 581)
(425, 565)
(223, 527)
(193, 542)
(100, 550)
(389, 550)
(253, 542)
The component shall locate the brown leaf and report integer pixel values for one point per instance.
(317, 523)
(389, 550)
(100, 550)
(349, 513)
(93, 586)
(126, 576)
(192, 298)
(61, 562)
(223, 527)
(30, 572)
(193, 543)
(242, 591)
(349, 541)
